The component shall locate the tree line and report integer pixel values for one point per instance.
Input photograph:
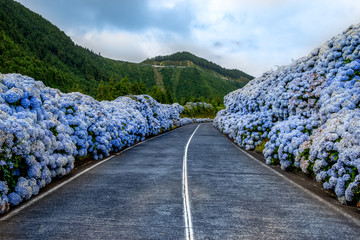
(32, 46)
(113, 89)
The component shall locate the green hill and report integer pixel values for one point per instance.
(182, 59)
(31, 45)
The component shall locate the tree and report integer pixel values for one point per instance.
(169, 97)
(134, 89)
(101, 91)
(142, 88)
(158, 94)
(111, 85)
(217, 102)
(75, 88)
(122, 87)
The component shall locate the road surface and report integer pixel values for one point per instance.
(141, 194)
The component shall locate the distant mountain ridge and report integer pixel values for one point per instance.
(179, 58)
(31, 45)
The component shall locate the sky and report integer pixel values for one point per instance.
(253, 36)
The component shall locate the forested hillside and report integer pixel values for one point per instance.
(180, 57)
(32, 46)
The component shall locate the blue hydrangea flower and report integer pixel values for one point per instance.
(3, 187)
(312, 110)
(13, 95)
(14, 199)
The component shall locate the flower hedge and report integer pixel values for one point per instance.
(43, 131)
(199, 110)
(307, 113)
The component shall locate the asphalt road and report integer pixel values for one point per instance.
(139, 195)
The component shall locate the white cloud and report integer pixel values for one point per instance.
(253, 36)
(258, 35)
(120, 45)
(165, 4)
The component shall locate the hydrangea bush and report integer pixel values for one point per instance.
(199, 110)
(43, 132)
(307, 113)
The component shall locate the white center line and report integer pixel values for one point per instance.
(185, 194)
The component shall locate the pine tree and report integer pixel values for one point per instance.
(169, 97)
(101, 91)
(122, 87)
(134, 89)
(158, 94)
(142, 88)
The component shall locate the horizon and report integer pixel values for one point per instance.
(251, 37)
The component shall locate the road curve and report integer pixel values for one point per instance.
(139, 195)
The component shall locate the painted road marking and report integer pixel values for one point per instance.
(185, 194)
